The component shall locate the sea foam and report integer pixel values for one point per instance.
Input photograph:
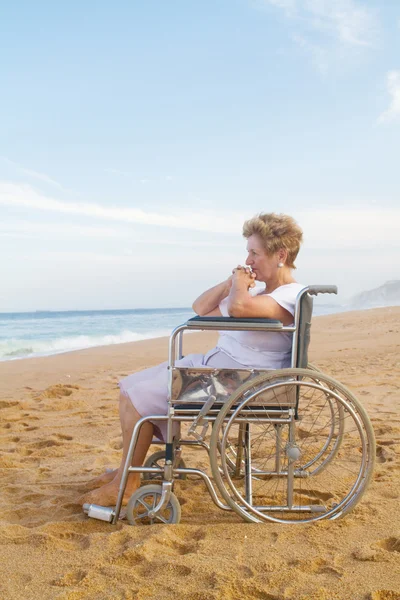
(19, 348)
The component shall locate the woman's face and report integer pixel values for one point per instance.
(264, 266)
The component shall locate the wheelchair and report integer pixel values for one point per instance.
(289, 446)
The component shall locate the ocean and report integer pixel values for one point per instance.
(30, 334)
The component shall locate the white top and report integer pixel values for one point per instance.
(262, 349)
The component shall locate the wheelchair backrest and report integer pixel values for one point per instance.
(304, 326)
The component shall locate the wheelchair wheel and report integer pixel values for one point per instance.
(327, 451)
(144, 500)
(157, 459)
(306, 448)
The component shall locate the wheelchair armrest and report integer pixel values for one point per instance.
(314, 290)
(232, 323)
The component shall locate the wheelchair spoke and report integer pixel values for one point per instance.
(141, 516)
(143, 503)
(160, 518)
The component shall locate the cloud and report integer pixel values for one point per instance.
(41, 177)
(393, 85)
(12, 194)
(350, 227)
(345, 20)
(60, 230)
(31, 173)
(330, 227)
(328, 29)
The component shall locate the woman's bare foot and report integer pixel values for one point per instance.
(107, 494)
(101, 480)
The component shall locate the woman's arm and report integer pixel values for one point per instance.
(242, 304)
(207, 303)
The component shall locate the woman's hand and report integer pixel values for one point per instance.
(243, 276)
(208, 302)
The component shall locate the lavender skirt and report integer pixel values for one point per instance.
(148, 389)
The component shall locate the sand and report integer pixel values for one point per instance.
(59, 428)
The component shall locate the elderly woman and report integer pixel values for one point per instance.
(273, 242)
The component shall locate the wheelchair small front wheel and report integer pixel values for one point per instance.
(143, 502)
(157, 459)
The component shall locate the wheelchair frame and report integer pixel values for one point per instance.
(266, 400)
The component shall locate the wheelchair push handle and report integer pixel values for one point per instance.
(314, 290)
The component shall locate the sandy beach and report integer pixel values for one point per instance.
(59, 428)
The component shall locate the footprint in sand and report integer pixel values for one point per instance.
(119, 539)
(368, 554)
(316, 494)
(384, 595)
(58, 391)
(69, 579)
(189, 545)
(318, 565)
(7, 403)
(390, 494)
(132, 557)
(44, 444)
(62, 436)
(391, 544)
(25, 452)
(384, 454)
(147, 567)
(116, 444)
(181, 570)
(9, 463)
(236, 588)
(245, 572)
(208, 595)
(71, 540)
(377, 552)
(388, 429)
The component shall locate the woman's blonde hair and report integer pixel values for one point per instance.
(276, 232)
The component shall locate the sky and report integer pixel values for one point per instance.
(136, 137)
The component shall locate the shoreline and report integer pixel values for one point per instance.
(158, 337)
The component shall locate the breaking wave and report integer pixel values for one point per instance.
(22, 348)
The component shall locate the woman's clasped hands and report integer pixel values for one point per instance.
(244, 275)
